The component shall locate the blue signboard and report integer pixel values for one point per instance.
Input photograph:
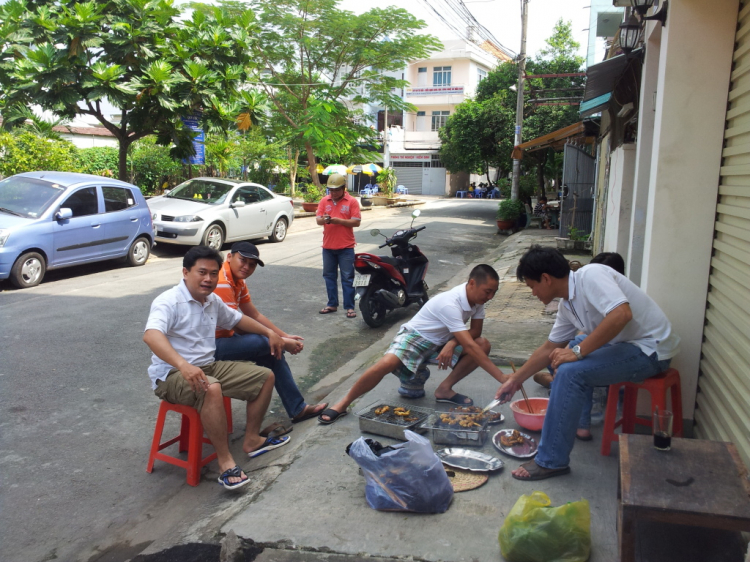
(193, 123)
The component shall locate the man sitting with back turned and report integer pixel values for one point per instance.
(231, 346)
(180, 331)
(625, 338)
(437, 332)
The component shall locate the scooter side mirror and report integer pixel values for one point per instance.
(375, 232)
(416, 213)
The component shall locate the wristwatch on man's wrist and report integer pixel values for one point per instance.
(576, 349)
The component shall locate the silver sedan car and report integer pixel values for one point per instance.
(212, 211)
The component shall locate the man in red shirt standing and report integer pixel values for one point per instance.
(338, 214)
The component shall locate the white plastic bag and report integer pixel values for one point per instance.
(410, 477)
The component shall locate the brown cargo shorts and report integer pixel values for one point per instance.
(241, 380)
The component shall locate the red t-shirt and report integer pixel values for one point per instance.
(337, 236)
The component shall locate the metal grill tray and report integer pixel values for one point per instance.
(388, 424)
(524, 451)
(447, 435)
(469, 460)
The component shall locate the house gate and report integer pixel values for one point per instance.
(577, 205)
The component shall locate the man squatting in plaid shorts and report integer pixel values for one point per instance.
(436, 334)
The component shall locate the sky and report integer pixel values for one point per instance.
(501, 17)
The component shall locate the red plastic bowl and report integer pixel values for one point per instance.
(535, 421)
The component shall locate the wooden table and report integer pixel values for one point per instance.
(699, 483)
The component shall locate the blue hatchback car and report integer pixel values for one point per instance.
(50, 220)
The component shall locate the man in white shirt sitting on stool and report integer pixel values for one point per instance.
(437, 333)
(626, 338)
(180, 331)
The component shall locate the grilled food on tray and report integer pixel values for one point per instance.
(382, 410)
(514, 438)
(402, 412)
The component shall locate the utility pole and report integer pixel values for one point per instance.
(515, 184)
(386, 153)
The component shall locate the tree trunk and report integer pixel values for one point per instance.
(293, 163)
(311, 165)
(122, 160)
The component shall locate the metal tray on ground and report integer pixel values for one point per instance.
(524, 451)
(388, 424)
(442, 435)
(469, 460)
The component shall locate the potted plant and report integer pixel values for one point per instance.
(386, 183)
(311, 197)
(508, 211)
(577, 240)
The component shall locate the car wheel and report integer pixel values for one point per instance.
(214, 237)
(279, 231)
(139, 252)
(28, 271)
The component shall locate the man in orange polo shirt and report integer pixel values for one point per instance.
(240, 264)
(338, 214)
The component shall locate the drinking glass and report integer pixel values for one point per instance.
(663, 430)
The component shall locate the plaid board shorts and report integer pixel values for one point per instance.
(414, 351)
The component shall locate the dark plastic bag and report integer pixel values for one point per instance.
(535, 532)
(410, 477)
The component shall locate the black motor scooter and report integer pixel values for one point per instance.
(384, 283)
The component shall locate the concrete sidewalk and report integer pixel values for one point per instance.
(316, 507)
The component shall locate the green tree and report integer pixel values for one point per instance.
(313, 55)
(27, 152)
(23, 117)
(151, 167)
(143, 56)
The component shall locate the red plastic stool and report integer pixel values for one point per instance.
(657, 387)
(190, 438)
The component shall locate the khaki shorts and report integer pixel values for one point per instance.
(241, 380)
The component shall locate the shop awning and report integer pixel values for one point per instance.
(553, 140)
(601, 79)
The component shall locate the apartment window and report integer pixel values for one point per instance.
(441, 76)
(481, 74)
(422, 77)
(439, 118)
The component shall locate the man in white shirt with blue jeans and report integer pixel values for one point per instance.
(626, 338)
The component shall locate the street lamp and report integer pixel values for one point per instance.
(630, 32)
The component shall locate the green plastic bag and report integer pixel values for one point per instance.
(535, 532)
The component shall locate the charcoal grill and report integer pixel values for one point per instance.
(443, 434)
(389, 424)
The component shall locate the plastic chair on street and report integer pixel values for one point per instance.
(402, 190)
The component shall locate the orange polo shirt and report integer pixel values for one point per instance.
(337, 236)
(232, 292)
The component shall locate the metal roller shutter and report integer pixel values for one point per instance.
(409, 175)
(723, 400)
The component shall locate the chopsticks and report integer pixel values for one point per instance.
(523, 391)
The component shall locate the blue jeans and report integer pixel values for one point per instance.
(254, 347)
(333, 260)
(572, 393)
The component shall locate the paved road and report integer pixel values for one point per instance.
(77, 413)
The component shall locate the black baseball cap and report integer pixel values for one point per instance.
(247, 250)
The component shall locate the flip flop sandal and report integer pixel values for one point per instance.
(351, 314)
(232, 472)
(457, 399)
(312, 414)
(276, 429)
(328, 310)
(333, 414)
(537, 472)
(270, 444)
(588, 437)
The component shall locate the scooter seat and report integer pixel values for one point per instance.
(395, 262)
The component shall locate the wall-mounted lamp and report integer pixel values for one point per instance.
(641, 6)
(661, 15)
(630, 33)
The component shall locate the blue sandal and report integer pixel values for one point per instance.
(270, 444)
(233, 472)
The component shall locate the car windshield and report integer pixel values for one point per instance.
(27, 197)
(202, 191)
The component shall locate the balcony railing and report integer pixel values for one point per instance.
(435, 90)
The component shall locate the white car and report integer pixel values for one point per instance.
(212, 211)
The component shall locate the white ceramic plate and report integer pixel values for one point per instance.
(522, 451)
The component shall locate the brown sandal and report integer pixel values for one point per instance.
(328, 310)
